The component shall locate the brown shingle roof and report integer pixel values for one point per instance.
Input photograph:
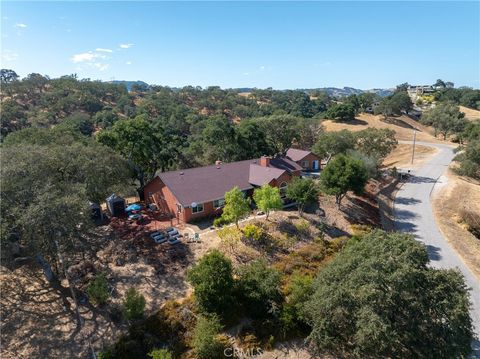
(297, 155)
(205, 184)
(260, 175)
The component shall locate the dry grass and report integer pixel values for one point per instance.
(402, 125)
(448, 201)
(401, 156)
(470, 114)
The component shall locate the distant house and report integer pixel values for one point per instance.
(199, 192)
(306, 159)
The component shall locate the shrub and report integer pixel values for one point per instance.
(133, 305)
(471, 220)
(160, 354)
(297, 292)
(303, 227)
(220, 222)
(212, 282)
(259, 286)
(206, 343)
(252, 231)
(98, 289)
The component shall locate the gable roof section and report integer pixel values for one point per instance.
(205, 184)
(297, 155)
(285, 164)
(260, 175)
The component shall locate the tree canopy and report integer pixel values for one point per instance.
(379, 298)
(342, 174)
(236, 207)
(267, 198)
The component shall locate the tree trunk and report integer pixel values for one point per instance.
(72, 291)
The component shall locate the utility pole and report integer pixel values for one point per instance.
(413, 149)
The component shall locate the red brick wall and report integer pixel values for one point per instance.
(166, 201)
(310, 158)
(161, 196)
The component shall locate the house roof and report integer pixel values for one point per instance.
(205, 184)
(260, 175)
(297, 155)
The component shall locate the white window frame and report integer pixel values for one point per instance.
(305, 164)
(179, 208)
(216, 203)
(195, 209)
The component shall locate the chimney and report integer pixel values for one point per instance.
(264, 161)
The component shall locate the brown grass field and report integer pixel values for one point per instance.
(470, 114)
(448, 200)
(402, 125)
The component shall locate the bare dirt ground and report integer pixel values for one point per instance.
(448, 199)
(401, 156)
(402, 125)
(36, 324)
(470, 114)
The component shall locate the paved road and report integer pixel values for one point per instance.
(413, 213)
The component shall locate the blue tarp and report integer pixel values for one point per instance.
(133, 207)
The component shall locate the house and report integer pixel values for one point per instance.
(306, 159)
(199, 192)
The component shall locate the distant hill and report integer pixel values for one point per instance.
(347, 91)
(334, 91)
(129, 84)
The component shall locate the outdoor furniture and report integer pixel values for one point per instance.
(197, 237)
(187, 237)
(173, 233)
(170, 229)
(160, 240)
(158, 236)
(154, 234)
(173, 240)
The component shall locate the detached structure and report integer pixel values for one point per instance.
(116, 205)
(199, 192)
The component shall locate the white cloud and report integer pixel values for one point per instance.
(99, 49)
(86, 57)
(262, 68)
(20, 25)
(126, 46)
(128, 63)
(9, 55)
(100, 66)
(246, 73)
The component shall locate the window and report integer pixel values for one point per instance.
(283, 189)
(198, 208)
(219, 203)
(305, 164)
(179, 208)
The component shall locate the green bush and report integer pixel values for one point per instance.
(259, 287)
(212, 281)
(160, 354)
(206, 341)
(251, 231)
(133, 305)
(220, 222)
(97, 289)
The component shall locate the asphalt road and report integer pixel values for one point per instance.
(413, 213)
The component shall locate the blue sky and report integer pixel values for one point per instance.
(246, 44)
